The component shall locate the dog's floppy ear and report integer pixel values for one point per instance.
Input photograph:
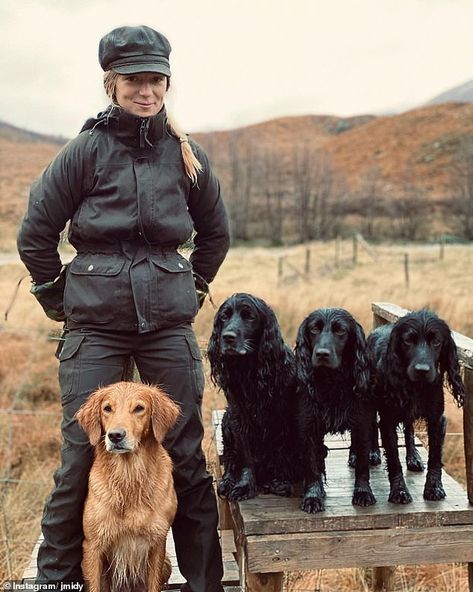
(361, 370)
(449, 366)
(164, 412)
(89, 416)
(303, 353)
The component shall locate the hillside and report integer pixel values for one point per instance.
(281, 166)
(459, 94)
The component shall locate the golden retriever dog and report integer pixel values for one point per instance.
(131, 501)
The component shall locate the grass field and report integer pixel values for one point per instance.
(29, 443)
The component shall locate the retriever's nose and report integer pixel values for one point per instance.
(116, 435)
(322, 353)
(422, 368)
(229, 336)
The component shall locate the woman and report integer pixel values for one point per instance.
(133, 188)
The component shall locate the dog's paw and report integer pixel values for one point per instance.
(224, 487)
(244, 489)
(400, 495)
(434, 492)
(414, 463)
(312, 505)
(375, 457)
(281, 488)
(363, 497)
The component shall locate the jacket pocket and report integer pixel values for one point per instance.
(69, 366)
(94, 288)
(176, 295)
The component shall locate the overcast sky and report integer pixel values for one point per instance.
(236, 62)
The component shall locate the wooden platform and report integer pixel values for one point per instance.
(274, 535)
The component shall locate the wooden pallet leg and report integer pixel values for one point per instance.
(470, 577)
(383, 578)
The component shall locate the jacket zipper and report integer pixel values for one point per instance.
(143, 133)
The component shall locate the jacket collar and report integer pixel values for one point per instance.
(130, 129)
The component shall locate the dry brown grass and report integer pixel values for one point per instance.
(29, 444)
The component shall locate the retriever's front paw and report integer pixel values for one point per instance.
(414, 462)
(400, 495)
(363, 497)
(433, 490)
(245, 488)
(312, 504)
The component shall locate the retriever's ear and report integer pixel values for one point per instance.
(271, 347)
(164, 412)
(89, 416)
(361, 369)
(213, 353)
(303, 353)
(449, 365)
(394, 370)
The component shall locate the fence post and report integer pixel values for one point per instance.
(406, 268)
(442, 249)
(307, 261)
(355, 249)
(337, 251)
(280, 269)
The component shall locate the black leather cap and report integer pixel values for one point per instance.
(128, 50)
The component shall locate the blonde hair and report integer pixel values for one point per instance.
(192, 165)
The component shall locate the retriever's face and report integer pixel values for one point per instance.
(420, 339)
(126, 414)
(125, 420)
(240, 324)
(328, 331)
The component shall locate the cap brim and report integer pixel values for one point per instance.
(143, 67)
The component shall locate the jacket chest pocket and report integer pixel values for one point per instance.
(94, 288)
(176, 295)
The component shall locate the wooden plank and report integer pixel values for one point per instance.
(270, 514)
(468, 431)
(359, 549)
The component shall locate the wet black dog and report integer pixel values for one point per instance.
(333, 396)
(411, 358)
(256, 371)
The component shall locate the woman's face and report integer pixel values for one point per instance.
(141, 94)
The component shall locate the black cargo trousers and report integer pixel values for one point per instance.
(171, 359)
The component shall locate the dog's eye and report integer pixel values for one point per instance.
(138, 409)
(340, 331)
(436, 342)
(315, 330)
(107, 408)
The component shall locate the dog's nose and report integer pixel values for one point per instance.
(422, 368)
(322, 353)
(229, 336)
(116, 435)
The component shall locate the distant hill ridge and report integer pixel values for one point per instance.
(463, 93)
(18, 134)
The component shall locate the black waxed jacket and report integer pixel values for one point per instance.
(121, 182)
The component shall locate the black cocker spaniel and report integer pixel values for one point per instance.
(256, 371)
(333, 388)
(412, 357)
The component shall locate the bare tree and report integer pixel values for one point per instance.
(313, 180)
(462, 181)
(241, 185)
